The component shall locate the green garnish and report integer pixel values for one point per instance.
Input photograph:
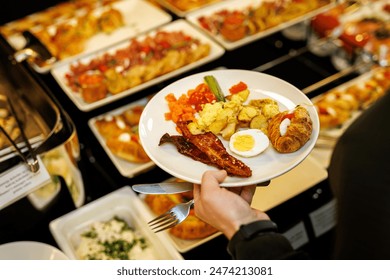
(214, 87)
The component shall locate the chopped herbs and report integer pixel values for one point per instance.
(113, 240)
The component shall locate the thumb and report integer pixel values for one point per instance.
(212, 178)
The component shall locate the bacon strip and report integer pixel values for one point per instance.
(212, 146)
(185, 148)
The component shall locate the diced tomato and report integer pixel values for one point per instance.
(238, 87)
(201, 95)
(204, 23)
(165, 44)
(289, 116)
(146, 49)
(322, 110)
(103, 68)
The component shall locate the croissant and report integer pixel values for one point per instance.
(298, 132)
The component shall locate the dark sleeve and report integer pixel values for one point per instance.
(359, 176)
(261, 241)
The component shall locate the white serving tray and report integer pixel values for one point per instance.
(126, 168)
(242, 4)
(123, 203)
(136, 22)
(178, 25)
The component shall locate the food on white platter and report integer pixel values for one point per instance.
(336, 106)
(137, 62)
(120, 133)
(234, 24)
(113, 240)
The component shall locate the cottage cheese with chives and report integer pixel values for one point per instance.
(111, 240)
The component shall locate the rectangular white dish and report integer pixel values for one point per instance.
(126, 168)
(135, 22)
(362, 81)
(123, 203)
(179, 25)
(240, 5)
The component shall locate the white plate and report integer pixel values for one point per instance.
(239, 5)
(266, 166)
(123, 203)
(126, 168)
(30, 250)
(178, 25)
(136, 22)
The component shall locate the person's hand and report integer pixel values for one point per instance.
(224, 208)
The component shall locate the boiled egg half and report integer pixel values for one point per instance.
(248, 143)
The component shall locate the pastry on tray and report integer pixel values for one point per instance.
(120, 133)
(192, 227)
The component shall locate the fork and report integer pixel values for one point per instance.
(172, 217)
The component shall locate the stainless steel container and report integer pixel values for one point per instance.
(48, 129)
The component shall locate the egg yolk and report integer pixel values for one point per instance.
(244, 143)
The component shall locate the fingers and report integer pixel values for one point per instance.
(196, 191)
(210, 181)
(211, 178)
(219, 175)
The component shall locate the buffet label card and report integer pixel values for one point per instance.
(20, 181)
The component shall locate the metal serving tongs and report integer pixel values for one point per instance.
(30, 159)
(34, 51)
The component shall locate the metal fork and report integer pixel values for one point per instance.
(172, 217)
